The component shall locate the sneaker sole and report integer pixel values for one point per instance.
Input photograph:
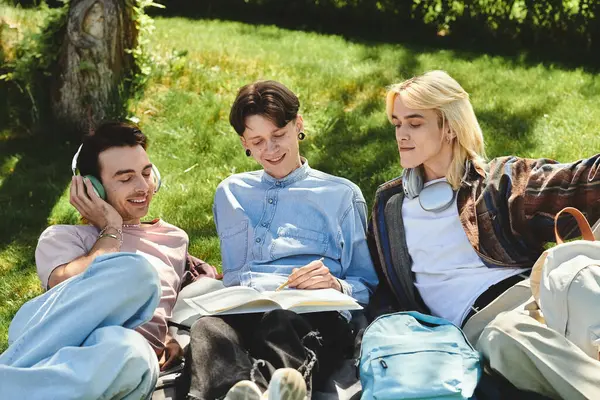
(243, 393)
(291, 387)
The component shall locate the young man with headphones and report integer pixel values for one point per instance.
(100, 331)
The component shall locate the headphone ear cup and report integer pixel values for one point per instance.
(406, 183)
(98, 188)
(417, 181)
(412, 182)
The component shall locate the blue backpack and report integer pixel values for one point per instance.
(409, 355)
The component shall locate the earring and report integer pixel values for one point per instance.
(301, 135)
(248, 152)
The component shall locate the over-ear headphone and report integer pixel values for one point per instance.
(412, 182)
(97, 185)
(435, 197)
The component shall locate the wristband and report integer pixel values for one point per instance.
(119, 238)
(110, 235)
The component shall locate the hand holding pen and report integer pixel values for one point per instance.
(314, 275)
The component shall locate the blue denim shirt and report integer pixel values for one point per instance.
(268, 226)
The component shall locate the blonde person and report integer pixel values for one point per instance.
(491, 221)
(283, 221)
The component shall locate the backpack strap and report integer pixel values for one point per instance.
(536, 271)
(582, 223)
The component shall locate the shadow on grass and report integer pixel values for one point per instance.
(510, 130)
(31, 188)
(33, 174)
(367, 159)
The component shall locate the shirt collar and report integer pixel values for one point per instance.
(294, 176)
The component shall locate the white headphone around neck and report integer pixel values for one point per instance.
(435, 197)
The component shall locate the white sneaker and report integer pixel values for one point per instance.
(287, 384)
(244, 390)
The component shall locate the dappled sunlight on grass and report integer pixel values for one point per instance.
(8, 167)
(18, 285)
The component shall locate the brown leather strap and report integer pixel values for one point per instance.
(584, 225)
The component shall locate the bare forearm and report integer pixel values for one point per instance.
(104, 245)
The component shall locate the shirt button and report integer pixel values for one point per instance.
(257, 240)
(270, 201)
(277, 183)
(264, 224)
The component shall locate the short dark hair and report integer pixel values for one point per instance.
(269, 99)
(107, 135)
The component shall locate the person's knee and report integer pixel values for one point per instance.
(136, 268)
(207, 327)
(128, 343)
(132, 272)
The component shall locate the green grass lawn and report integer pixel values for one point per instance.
(528, 110)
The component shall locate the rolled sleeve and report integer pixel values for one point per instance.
(359, 278)
(57, 245)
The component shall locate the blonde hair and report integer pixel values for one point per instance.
(436, 90)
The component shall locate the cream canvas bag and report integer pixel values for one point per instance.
(565, 282)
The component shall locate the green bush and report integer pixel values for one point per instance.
(564, 29)
(25, 74)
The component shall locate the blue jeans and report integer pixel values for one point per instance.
(76, 341)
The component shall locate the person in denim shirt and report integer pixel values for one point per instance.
(286, 220)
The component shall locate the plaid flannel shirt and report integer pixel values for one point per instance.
(506, 210)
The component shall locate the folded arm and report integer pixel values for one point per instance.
(100, 214)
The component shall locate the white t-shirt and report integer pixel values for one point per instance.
(162, 244)
(450, 276)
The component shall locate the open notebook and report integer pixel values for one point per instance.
(242, 299)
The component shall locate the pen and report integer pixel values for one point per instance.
(287, 282)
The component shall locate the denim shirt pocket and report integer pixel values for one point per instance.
(234, 246)
(294, 241)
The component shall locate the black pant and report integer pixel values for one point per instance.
(226, 349)
(491, 294)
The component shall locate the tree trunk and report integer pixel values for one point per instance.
(93, 64)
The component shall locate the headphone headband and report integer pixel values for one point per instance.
(75, 158)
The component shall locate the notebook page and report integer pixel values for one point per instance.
(226, 299)
(328, 298)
